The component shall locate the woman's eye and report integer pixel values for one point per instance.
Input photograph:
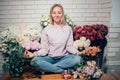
(54, 13)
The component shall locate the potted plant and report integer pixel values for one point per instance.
(13, 58)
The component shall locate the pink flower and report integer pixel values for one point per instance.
(35, 45)
(89, 70)
(26, 45)
(32, 45)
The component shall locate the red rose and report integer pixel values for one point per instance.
(89, 33)
(88, 28)
(79, 30)
(92, 38)
(100, 36)
(76, 36)
(83, 31)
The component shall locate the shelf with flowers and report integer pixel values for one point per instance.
(91, 40)
(15, 40)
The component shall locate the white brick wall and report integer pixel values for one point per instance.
(81, 11)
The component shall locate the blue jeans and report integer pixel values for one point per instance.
(56, 65)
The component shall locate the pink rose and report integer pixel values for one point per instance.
(26, 45)
(35, 45)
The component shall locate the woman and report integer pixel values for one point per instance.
(57, 52)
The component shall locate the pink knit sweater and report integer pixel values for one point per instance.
(57, 41)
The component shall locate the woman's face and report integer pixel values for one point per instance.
(57, 15)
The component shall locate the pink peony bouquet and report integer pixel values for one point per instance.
(32, 45)
(92, 32)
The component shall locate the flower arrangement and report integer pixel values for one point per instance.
(81, 43)
(45, 20)
(92, 32)
(13, 46)
(84, 37)
(90, 71)
(31, 37)
(92, 51)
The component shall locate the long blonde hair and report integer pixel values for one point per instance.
(63, 22)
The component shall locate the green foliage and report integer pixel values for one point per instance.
(13, 58)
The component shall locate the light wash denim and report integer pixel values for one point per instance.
(56, 65)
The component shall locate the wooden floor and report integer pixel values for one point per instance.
(43, 77)
(110, 76)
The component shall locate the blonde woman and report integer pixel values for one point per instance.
(57, 52)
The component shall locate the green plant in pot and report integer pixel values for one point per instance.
(13, 56)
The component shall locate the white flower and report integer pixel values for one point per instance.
(46, 23)
(87, 43)
(82, 43)
(44, 20)
(82, 38)
(21, 33)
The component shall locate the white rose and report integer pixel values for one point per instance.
(81, 44)
(82, 38)
(87, 43)
(45, 23)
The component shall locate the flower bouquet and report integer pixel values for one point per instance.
(89, 71)
(91, 32)
(81, 43)
(13, 46)
(96, 33)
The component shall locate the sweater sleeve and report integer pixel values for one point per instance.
(69, 45)
(44, 43)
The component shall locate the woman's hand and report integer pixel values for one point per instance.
(81, 53)
(28, 54)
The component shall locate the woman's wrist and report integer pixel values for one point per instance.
(35, 54)
(79, 53)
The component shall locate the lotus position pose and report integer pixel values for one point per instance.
(57, 52)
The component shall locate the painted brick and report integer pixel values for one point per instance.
(113, 35)
(102, 14)
(79, 1)
(83, 6)
(115, 44)
(104, 10)
(115, 24)
(92, 1)
(4, 3)
(113, 62)
(107, 5)
(113, 49)
(95, 6)
(87, 14)
(114, 29)
(111, 54)
(92, 10)
(91, 19)
(25, 2)
(15, 3)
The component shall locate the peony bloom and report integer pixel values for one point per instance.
(35, 45)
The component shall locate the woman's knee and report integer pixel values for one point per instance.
(35, 61)
(77, 59)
